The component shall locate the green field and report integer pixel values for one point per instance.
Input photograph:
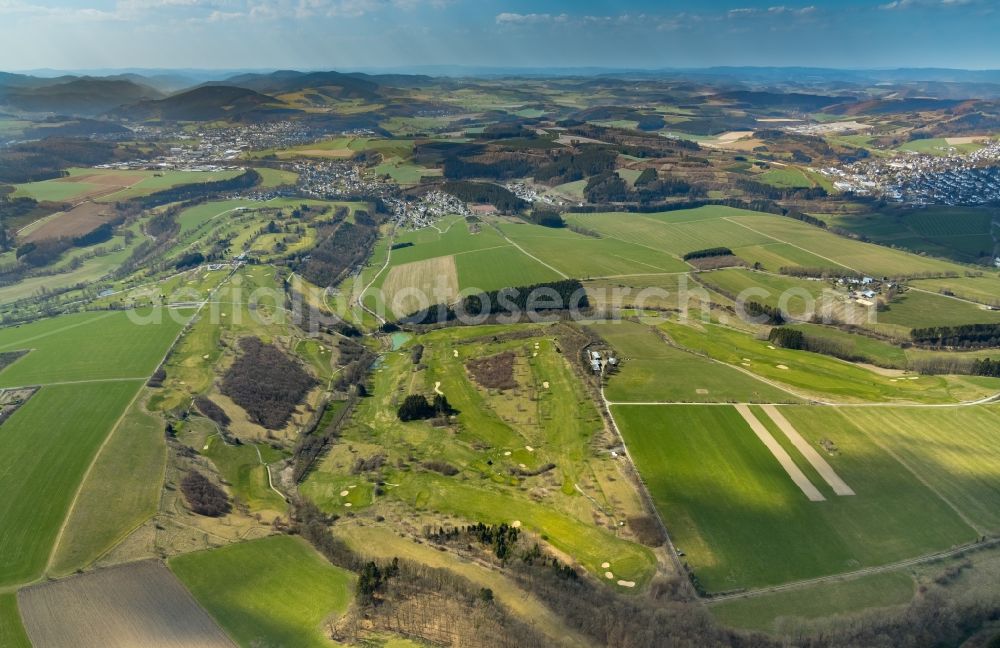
(582, 256)
(272, 592)
(270, 178)
(652, 370)
(742, 522)
(91, 366)
(131, 184)
(822, 376)
(121, 492)
(745, 232)
(953, 449)
(45, 449)
(872, 350)
(938, 146)
(87, 347)
(916, 309)
(960, 233)
(483, 260)
(193, 217)
(771, 612)
(796, 296)
(11, 631)
(785, 178)
(500, 268)
(985, 289)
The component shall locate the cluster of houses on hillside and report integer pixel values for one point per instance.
(865, 290)
(972, 179)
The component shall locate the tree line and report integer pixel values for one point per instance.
(964, 336)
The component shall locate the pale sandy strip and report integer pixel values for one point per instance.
(779, 453)
(824, 469)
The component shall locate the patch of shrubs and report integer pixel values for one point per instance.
(416, 407)
(442, 467)
(494, 372)
(787, 338)
(204, 497)
(211, 410)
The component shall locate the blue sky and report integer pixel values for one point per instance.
(353, 34)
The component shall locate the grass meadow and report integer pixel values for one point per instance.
(87, 346)
(743, 523)
(121, 491)
(820, 376)
(953, 449)
(272, 592)
(45, 450)
(652, 370)
(915, 309)
(771, 612)
(12, 633)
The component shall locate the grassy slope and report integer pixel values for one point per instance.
(275, 591)
(48, 444)
(984, 289)
(918, 309)
(584, 256)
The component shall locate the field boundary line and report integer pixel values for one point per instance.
(528, 254)
(782, 456)
(774, 238)
(821, 465)
(885, 448)
(81, 382)
(859, 573)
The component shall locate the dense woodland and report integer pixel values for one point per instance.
(266, 383)
(344, 247)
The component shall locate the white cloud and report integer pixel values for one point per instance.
(530, 19)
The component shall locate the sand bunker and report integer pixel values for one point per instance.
(782, 366)
(625, 583)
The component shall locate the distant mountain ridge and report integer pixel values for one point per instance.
(205, 103)
(85, 96)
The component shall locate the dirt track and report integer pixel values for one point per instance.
(131, 606)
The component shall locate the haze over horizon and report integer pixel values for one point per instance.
(408, 34)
